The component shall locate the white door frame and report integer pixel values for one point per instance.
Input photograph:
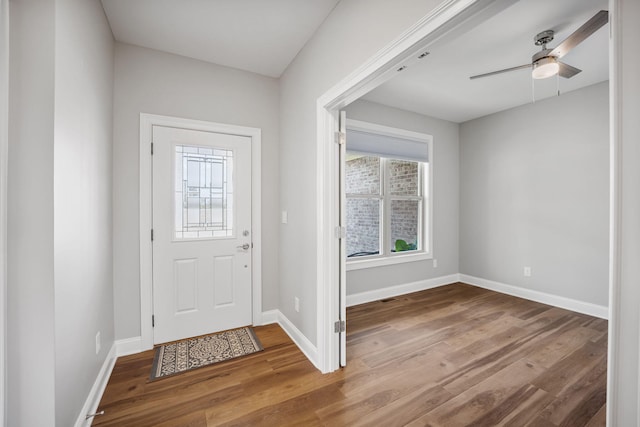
(147, 121)
(4, 151)
(450, 17)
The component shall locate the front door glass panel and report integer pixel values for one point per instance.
(203, 178)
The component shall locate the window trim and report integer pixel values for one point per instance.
(426, 226)
(382, 260)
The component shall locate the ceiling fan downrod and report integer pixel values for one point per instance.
(543, 38)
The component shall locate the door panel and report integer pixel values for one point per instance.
(185, 284)
(202, 232)
(223, 276)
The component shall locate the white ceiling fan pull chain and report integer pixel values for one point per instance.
(533, 90)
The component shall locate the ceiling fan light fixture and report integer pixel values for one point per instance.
(545, 67)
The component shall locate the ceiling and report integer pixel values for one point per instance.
(439, 85)
(265, 36)
(252, 35)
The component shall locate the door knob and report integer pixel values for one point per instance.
(246, 246)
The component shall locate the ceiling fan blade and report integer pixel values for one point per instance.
(506, 70)
(567, 71)
(581, 34)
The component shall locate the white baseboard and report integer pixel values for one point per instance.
(95, 394)
(303, 343)
(545, 298)
(128, 346)
(134, 345)
(269, 317)
(298, 338)
(392, 291)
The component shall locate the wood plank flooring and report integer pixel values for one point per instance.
(451, 356)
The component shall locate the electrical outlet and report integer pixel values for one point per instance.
(296, 304)
(527, 272)
(284, 217)
(435, 263)
(98, 342)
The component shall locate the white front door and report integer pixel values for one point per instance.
(201, 232)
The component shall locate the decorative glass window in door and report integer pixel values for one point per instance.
(203, 205)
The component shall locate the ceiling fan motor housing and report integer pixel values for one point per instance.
(542, 54)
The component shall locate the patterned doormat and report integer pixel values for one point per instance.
(192, 353)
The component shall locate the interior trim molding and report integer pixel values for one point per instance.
(623, 379)
(147, 121)
(128, 346)
(297, 337)
(4, 151)
(406, 288)
(133, 345)
(542, 297)
(97, 390)
(269, 317)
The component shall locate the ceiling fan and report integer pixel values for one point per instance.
(545, 63)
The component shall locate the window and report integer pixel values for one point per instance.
(387, 200)
(203, 192)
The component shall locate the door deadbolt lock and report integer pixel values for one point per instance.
(245, 233)
(245, 247)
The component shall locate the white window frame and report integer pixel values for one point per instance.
(147, 121)
(426, 189)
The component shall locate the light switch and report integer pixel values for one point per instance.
(284, 217)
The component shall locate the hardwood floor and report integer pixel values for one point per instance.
(451, 356)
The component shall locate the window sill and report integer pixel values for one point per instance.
(387, 260)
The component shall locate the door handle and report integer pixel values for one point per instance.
(245, 247)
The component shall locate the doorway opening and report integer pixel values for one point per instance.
(449, 21)
(331, 292)
(147, 124)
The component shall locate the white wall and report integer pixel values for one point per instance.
(445, 199)
(59, 216)
(334, 51)
(534, 191)
(83, 138)
(149, 81)
(30, 266)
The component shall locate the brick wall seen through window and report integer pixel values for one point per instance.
(363, 177)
